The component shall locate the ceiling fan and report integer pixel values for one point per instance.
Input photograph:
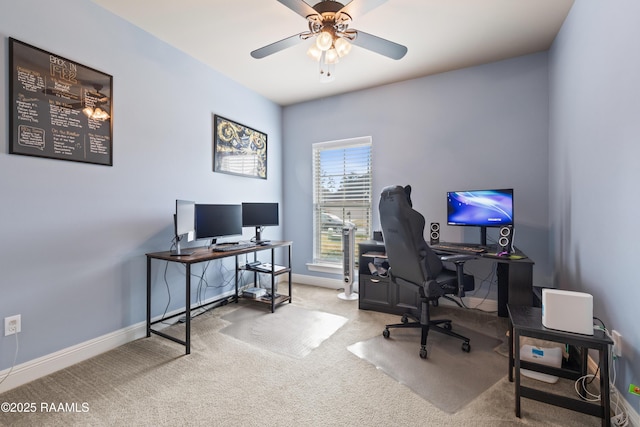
(329, 22)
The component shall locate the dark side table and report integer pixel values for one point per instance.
(527, 321)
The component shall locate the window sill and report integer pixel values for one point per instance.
(325, 268)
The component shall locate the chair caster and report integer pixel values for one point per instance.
(466, 347)
(385, 333)
(423, 352)
(447, 326)
(435, 303)
(404, 318)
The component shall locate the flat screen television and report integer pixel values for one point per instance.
(215, 221)
(259, 215)
(184, 225)
(480, 208)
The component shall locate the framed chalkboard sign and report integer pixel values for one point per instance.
(59, 108)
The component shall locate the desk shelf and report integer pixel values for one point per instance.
(280, 298)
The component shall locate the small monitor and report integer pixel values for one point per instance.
(215, 221)
(259, 215)
(184, 224)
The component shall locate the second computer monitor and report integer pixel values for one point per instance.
(214, 221)
(259, 215)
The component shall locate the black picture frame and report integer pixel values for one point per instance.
(59, 108)
(238, 149)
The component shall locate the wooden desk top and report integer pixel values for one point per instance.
(204, 253)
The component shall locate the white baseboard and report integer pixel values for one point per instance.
(322, 282)
(45, 365)
(50, 363)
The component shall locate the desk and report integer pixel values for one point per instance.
(515, 281)
(515, 276)
(204, 254)
(527, 321)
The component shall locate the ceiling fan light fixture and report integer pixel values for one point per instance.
(342, 46)
(324, 40)
(331, 57)
(314, 53)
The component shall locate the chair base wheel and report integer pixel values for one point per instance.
(385, 333)
(466, 347)
(423, 353)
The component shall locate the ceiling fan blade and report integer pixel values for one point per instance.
(357, 8)
(299, 7)
(379, 45)
(277, 46)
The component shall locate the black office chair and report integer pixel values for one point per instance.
(413, 263)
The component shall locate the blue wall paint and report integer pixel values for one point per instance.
(594, 150)
(481, 127)
(75, 234)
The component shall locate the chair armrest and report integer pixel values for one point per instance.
(457, 258)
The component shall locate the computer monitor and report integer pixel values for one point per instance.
(184, 225)
(215, 221)
(480, 208)
(259, 215)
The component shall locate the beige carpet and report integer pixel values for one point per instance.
(449, 378)
(228, 382)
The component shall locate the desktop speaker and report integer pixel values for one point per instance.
(434, 233)
(505, 239)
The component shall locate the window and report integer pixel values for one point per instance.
(341, 195)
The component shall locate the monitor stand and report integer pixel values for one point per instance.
(259, 240)
(179, 251)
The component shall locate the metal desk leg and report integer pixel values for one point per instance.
(510, 343)
(148, 297)
(188, 311)
(236, 278)
(290, 293)
(273, 280)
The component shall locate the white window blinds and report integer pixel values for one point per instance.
(341, 194)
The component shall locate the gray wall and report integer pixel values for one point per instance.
(74, 235)
(481, 127)
(594, 151)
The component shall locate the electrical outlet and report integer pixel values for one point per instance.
(12, 325)
(617, 343)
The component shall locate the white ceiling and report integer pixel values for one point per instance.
(440, 35)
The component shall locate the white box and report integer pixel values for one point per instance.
(567, 311)
(254, 293)
(543, 356)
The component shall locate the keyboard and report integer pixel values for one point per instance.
(231, 247)
(458, 248)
